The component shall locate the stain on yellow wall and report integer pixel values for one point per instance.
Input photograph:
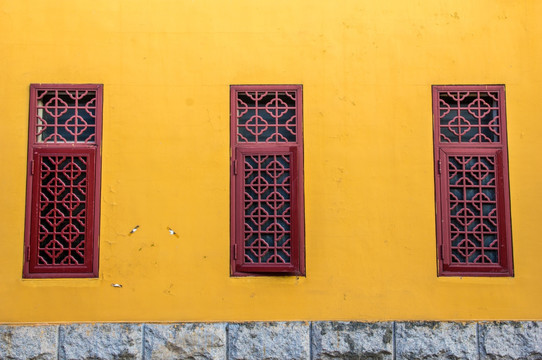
(366, 67)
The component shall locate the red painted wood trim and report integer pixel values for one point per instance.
(238, 150)
(30, 268)
(441, 153)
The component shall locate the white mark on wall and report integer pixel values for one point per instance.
(133, 230)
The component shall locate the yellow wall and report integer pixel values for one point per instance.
(366, 67)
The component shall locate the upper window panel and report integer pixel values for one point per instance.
(266, 117)
(470, 116)
(65, 116)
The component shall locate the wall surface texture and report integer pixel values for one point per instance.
(366, 68)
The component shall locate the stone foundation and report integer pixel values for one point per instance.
(275, 340)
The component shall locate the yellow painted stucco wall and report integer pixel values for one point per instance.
(366, 68)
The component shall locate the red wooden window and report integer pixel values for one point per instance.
(63, 186)
(471, 171)
(267, 229)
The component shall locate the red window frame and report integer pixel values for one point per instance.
(473, 224)
(63, 181)
(267, 148)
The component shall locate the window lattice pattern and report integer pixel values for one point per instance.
(473, 209)
(469, 117)
(267, 188)
(62, 210)
(266, 117)
(66, 116)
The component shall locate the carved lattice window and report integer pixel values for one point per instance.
(471, 165)
(63, 181)
(267, 180)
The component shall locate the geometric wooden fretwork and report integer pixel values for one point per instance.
(267, 209)
(473, 209)
(474, 234)
(62, 212)
(267, 227)
(63, 182)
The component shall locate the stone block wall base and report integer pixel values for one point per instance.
(507, 340)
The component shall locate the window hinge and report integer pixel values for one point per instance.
(439, 167)
(234, 167)
(27, 254)
(441, 256)
(234, 251)
(31, 167)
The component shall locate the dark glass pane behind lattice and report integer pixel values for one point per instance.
(473, 209)
(266, 117)
(62, 210)
(66, 116)
(267, 209)
(469, 117)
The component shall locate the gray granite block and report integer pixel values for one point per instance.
(436, 340)
(197, 341)
(352, 340)
(100, 341)
(269, 341)
(511, 340)
(28, 342)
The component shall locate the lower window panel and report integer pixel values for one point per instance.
(475, 233)
(267, 218)
(62, 234)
